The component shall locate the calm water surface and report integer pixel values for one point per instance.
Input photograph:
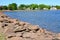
(49, 20)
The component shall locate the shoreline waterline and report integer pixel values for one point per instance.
(15, 29)
(25, 10)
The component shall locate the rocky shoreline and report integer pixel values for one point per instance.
(14, 29)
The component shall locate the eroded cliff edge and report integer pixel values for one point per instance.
(14, 29)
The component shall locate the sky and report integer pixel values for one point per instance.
(47, 2)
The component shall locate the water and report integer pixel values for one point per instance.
(49, 20)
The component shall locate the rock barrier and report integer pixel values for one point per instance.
(14, 29)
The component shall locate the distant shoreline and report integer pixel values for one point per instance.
(23, 10)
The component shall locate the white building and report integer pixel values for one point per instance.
(45, 8)
(53, 8)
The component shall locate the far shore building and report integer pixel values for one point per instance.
(45, 8)
(53, 8)
(36, 8)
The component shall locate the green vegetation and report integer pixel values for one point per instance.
(41, 6)
(22, 7)
(5, 7)
(2, 37)
(14, 6)
(33, 6)
(58, 7)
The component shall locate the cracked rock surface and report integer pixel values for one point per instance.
(14, 29)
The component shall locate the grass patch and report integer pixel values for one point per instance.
(2, 37)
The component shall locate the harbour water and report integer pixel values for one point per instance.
(48, 19)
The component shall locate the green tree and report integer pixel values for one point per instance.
(12, 6)
(4, 7)
(33, 6)
(58, 7)
(22, 7)
(27, 6)
(47, 6)
(41, 6)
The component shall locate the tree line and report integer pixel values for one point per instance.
(14, 6)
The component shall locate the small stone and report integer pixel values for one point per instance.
(15, 38)
(29, 35)
(19, 29)
(33, 27)
(18, 34)
(22, 23)
(10, 35)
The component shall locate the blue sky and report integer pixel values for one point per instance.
(48, 2)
